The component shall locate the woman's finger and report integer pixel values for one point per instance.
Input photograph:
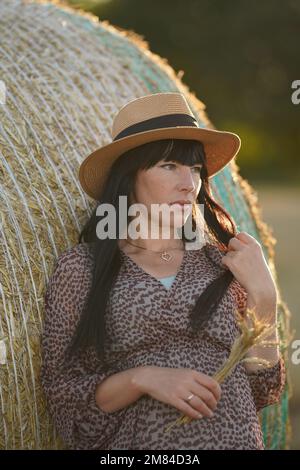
(246, 238)
(235, 244)
(210, 383)
(207, 396)
(187, 409)
(197, 405)
(230, 254)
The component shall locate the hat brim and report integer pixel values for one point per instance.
(220, 147)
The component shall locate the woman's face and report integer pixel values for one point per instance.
(167, 182)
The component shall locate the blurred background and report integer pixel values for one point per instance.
(240, 58)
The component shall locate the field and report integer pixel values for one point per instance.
(281, 211)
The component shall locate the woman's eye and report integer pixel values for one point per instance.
(197, 169)
(168, 164)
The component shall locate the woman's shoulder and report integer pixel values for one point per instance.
(76, 255)
(71, 274)
(75, 258)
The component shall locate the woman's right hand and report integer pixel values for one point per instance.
(174, 385)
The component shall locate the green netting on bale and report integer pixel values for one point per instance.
(64, 75)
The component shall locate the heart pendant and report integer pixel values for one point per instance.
(166, 256)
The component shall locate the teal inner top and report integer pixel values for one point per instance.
(167, 281)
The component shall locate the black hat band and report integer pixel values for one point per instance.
(169, 120)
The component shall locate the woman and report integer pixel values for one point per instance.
(135, 327)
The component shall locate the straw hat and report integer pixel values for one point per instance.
(149, 118)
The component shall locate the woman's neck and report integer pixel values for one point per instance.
(158, 245)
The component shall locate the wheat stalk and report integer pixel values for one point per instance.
(253, 333)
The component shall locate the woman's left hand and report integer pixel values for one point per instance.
(246, 261)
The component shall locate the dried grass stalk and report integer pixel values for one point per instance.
(253, 333)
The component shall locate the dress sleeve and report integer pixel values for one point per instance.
(267, 384)
(71, 394)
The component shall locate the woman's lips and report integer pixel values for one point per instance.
(182, 206)
(182, 203)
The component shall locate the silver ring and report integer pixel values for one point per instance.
(190, 397)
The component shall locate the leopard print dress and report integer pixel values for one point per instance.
(148, 324)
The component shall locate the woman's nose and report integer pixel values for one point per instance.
(187, 180)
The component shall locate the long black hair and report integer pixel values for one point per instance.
(105, 253)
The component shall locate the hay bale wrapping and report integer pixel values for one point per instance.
(64, 74)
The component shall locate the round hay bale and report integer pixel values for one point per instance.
(64, 75)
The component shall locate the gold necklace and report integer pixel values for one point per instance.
(163, 254)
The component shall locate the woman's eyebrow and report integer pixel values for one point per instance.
(193, 164)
